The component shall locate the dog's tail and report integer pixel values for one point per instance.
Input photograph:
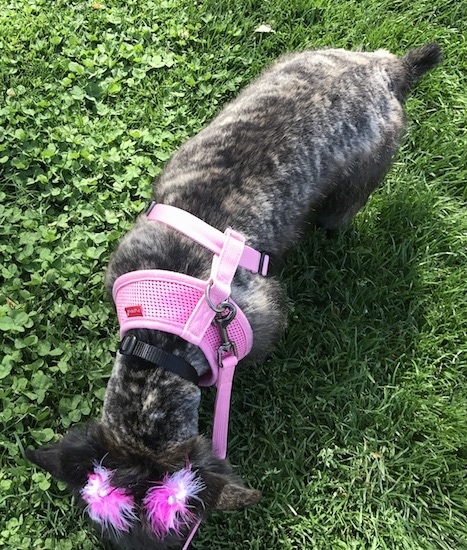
(419, 61)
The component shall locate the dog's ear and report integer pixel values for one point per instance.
(71, 458)
(48, 458)
(224, 489)
(230, 491)
(235, 496)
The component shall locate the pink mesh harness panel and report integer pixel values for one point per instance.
(164, 300)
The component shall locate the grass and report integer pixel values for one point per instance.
(356, 428)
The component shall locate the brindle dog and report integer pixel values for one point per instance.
(308, 140)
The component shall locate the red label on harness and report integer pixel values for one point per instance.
(134, 311)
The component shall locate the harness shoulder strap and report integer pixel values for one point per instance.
(207, 236)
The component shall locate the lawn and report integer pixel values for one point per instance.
(356, 428)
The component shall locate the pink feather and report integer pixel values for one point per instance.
(167, 505)
(109, 506)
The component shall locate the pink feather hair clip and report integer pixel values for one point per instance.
(167, 505)
(111, 507)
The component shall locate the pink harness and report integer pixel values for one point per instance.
(200, 312)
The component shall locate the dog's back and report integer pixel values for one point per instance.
(308, 140)
(316, 132)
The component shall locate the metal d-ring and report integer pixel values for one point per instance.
(220, 307)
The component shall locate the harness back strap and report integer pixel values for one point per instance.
(205, 235)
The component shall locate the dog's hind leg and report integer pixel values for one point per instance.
(350, 193)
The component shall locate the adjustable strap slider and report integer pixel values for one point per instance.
(148, 208)
(263, 263)
(127, 345)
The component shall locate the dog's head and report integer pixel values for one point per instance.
(140, 499)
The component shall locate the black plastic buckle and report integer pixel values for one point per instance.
(262, 258)
(127, 345)
(149, 207)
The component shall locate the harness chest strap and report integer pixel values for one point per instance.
(223, 269)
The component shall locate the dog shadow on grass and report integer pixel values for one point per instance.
(322, 426)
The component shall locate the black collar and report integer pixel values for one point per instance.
(130, 345)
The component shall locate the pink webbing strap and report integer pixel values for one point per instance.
(220, 428)
(192, 534)
(221, 420)
(204, 234)
(222, 273)
(223, 270)
(229, 251)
